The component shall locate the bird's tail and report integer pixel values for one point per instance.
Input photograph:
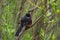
(20, 30)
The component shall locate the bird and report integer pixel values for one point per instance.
(26, 22)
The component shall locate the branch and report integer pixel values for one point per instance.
(39, 19)
(32, 9)
(21, 10)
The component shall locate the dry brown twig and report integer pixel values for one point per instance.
(39, 19)
(35, 7)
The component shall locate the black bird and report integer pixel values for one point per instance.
(26, 21)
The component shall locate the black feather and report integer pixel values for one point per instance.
(19, 30)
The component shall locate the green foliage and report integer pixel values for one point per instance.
(27, 36)
(53, 37)
(10, 17)
(42, 32)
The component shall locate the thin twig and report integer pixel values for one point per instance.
(21, 10)
(32, 9)
(38, 19)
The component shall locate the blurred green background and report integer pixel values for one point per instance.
(48, 27)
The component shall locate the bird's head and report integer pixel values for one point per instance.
(28, 15)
